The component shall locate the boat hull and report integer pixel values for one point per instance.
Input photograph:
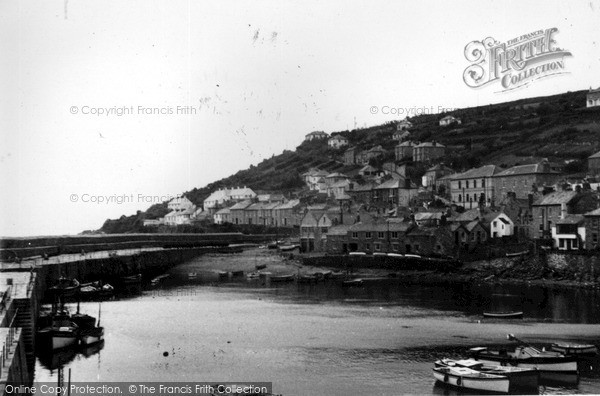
(520, 378)
(503, 315)
(498, 385)
(549, 365)
(92, 336)
(575, 350)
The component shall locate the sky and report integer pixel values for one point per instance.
(110, 106)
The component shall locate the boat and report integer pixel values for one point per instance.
(282, 278)
(528, 357)
(573, 349)
(396, 255)
(287, 248)
(65, 287)
(307, 278)
(253, 275)
(158, 279)
(352, 282)
(192, 275)
(91, 336)
(95, 291)
(260, 266)
(223, 274)
(265, 274)
(523, 253)
(236, 274)
(463, 377)
(272, 245)
(131, 279)
(519, 377)
(414, 256)
(62, 333)
(337, 275)
(504, 315)
(357, 254)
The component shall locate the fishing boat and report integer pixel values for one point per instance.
(95, 291)
(352, 282)
(282, 278)
(307, 278)
(519, 377)
(158, 279)
(253, 275)
(91, 335)
(65, 287)
(223, 274)
(288, 248)
(260, 266)
(237, 274)
(62, 333)
(131, 279)
(528, 357)
(463, 377)
(573, 349)
(504, 315)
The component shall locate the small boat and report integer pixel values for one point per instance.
(337, 275)
(260, 266)
(131, 279)
(265, 274)
(65, 287)
(253, 275)
(357, 254)
(283, 278)
(519, 377)
(415, 256)
(573, 349)
(237, 274)
(395, 255)
(463, 377)
(288, 248)
(307, 278)
(158, 279)
(91, 335)
(528, 357)
(222, 274)
(504, 315)
(95, 291)
(352, 282)
(192, 275)
(272, 245)
(517, 254)
(61, 334)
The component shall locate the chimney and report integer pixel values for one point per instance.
(563, 211)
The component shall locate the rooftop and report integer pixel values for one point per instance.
(556, 198)
(484, 171)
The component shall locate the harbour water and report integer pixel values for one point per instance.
(381, 338)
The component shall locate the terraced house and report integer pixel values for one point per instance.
(524, 180)
(474, 187)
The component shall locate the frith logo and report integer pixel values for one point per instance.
(516, 62)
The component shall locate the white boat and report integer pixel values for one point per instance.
(519, 377)
(463, 377)
(528, 357)
(573, 349)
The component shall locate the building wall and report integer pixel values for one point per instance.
(403, 152)
(422, 154)
(592, 232)
(594, 166)
(521, 184)
(466, 192)
(544, 217)
(593, 99)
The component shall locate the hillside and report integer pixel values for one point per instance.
(557, 127)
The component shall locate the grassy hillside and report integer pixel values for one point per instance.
(557, 127)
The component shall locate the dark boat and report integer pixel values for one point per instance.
(504, 315)
(528, 357)
(62, 333)
(132, 279)
(519, 377)
(352, 282)
(236, 274)
(159, 279)
(282, 278)
(573, 349)
(260, 266)
(95, 291)
(65, 287)
(308, 278)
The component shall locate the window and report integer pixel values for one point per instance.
(380, 235)
(417, 248)
(467, 184)
(474, 183)
(378, 246)
(368, 235)
(395, 247)
(324, 230)
(355, 235)
(495, 223)
(459, 184)
(482, 182)
(395, 234)
(473, 237)
(368, 246)
(459, 197)
(595, 237)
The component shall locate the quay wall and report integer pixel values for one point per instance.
(346, 262)
(37, 246)
(15, 371)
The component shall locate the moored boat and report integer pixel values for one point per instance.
(307, 278)
(236, 274)
(61, 334)
(463, 377)
(573, 349)
(131, 279)
(159, 279)
(282, 278)
(528, 357)
(352, 282)
(519, 377)
(260, 266)
(504, 315)
(91, 335)
(288, 248)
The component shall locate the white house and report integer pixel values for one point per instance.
(501, 225)
(337, 141)
(593, 98)
(316, 135)
(178, 217)
(223, 195)
(403, 125)
(449, 120)
(222, 216)
(569, 233)
(180, 203)
(313, 177)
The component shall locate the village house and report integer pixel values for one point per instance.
(288, 214)
(222, 216)
(335, 177)
(401, 135)
(429, 219)
(378, 236)
(592, 229)
(594, 164)
(593, 98)
(553, 207)
(313, 230)
(368, 155)
(428, 151)
(433, 174)
(403, 125)
(429, 241)
(314, 179)
(474, 187)
(450, 120)
(153, 222)
(181, 212)
(338, 189)
(225, 195)
(500, 225)
(370, 172)
(404, 151)
(270, 198)
(238, 212)
(337, 239)
(316, 135)
(395, 192)
(470, 235)
(337, 141)
(524, 179)
(350, 156)
(569, 233)
(361, 193)
(520, 213)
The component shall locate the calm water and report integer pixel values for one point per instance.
(379, 339)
